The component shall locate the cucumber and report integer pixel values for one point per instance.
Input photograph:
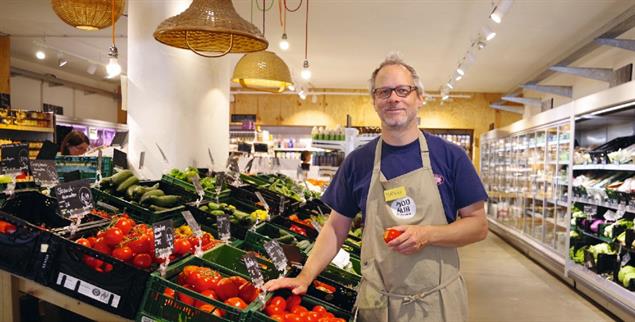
(285, 239)
(152, 193)
(140, 190)
(156, 208)
(120, 177)
(130, 190)
(127, 183)
(105, 182)
(167, 201)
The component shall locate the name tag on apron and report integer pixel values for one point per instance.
(394, 194)
(403, 208)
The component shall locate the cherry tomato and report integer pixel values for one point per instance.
(298, 309)
(313, 317)
(226, 289)
(274, 309)
(142, 260)
(92, 241)
(390, 234)
(113, 236)
(278, 301)
(291, 317)
(277, 317)
(125, 224)
(236, 302)
(319, 309)
(182, 246)
(293, 301)
(122, 253)
(83, 242)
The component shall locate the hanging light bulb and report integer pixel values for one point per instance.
(284, 44)
(306, 72)
(40, 54)
(113, 69)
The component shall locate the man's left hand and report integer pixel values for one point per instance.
(412, 239)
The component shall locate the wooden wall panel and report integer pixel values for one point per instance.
(5, 64)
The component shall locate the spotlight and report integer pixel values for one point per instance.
(450, 85)
(40, 54)
(500, 10)
(488, 33)
(481, 44)
(460, 71)
(302, 95)
(61, 61)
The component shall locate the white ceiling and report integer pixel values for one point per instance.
(348, 39)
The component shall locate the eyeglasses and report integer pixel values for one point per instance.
(401, 91)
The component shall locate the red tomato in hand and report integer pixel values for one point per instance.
(390, 234)
(236, 302)
(113, 236)
(122, 253)
(142, 261)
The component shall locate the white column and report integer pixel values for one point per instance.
(176, 99)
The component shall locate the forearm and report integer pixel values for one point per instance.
(326, 247)
(461, 232)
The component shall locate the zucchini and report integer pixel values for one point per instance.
(130, 191)
(167, 201)
(152, 193)
(157, 208)
(132, 180)
(105, 182)
(140, 190)
(120, 177)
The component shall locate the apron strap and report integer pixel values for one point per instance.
(413, 297)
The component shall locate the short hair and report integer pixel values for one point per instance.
(395, 59)
(73, 138)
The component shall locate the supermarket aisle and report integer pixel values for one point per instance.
(504, 285)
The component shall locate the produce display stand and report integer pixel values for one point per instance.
(11, 286)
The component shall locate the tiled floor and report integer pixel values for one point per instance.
(504, 285)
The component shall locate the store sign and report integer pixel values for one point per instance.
(44, 172)
(15, 158)
(74, 198)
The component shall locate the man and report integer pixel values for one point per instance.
(415, 184)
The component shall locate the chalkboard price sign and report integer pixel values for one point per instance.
(224, 231)
(163, 238)
(44, 172)
(276, 254)
(15, 158)
(74, 198)
(253, 269)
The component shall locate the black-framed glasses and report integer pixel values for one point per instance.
(401, 91)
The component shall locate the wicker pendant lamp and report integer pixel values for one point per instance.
(262, 71)
(87, 14)
(211, 26)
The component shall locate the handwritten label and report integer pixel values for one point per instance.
(293, 254)
(196, 181)
(15, 158)
(189, 219)
(276, 254)
(142, 157)
(163, 238)
(253, 269)
(282, 205)
(262, 200)
(261, 147)
(626, 258)
(394, 194)
(74, 198)
(224, 227)
(44, 172)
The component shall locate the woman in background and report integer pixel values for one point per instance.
(74, 143)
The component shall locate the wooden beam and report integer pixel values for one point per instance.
(5, 64)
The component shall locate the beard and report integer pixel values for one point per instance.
(399, 119)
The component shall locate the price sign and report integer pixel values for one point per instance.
(120, 159)
(276, 254)
(15, 158)
(261, 147)
(163, 238)
(626, 258)
(44, 172)
(74, 198)
(196, 181)
(282, 205)
(189, 219)
(293, 254)
(211, 158)
(224, 231)
(316, 225)
(262, 200)
(253, 269)
(244, 147)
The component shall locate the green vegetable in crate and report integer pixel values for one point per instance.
(5, 179)
(623, 272)
(145, 199)
(578, 257)
(167, 201)
(608, 230)
(130, 181)
(120, 177)
(602, 248)
(130, 191)
(138, 191)
(259, 215)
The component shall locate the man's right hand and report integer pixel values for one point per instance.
(297, 285)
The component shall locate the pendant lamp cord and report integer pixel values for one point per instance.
(113, 23)
(263, 5)
(263, 16)
(306, 31)
(294, 10)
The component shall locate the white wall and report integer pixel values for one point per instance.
(29, 94)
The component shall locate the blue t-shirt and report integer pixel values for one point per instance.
(458, 182)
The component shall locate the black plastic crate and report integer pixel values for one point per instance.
(204, 218)
(600, 154)
(211, 195)
(119, 291)
(307, 301)
(604, 264)
(144, 214)
(230, 258)
(247, 194)
(336, 293)
(25, 251)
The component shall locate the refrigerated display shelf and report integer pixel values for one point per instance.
(603, 204)
(612, 167)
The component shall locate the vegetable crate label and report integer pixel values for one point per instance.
(44, 172)
(253, 269)
(74, 198)
(163, 238)
(276, 254)
(88, 290)
(15, 158)
(189, 219)
(224, 229)
(196, 181)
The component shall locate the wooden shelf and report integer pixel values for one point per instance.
(26, 128)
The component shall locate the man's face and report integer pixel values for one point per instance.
(394, 111)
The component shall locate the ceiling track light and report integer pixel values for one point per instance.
(449, 85)
(481, 44)
(61, 61)
(487, 33)
(500, 10)
(460, 71)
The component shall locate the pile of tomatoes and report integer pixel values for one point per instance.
(130, 242)
(291, 310)
(7, 228)
(234, 291)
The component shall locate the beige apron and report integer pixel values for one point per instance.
(424, 286)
